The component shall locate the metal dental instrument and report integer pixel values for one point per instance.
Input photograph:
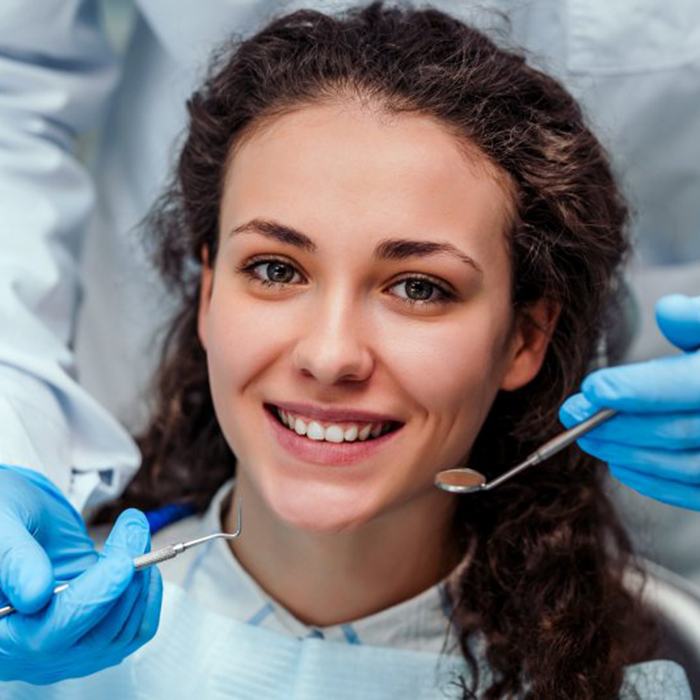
(170, 551)
(467, 480)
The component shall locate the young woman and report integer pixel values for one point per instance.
(395, 245)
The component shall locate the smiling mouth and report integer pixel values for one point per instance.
(358, 435)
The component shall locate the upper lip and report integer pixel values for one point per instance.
(335, 414)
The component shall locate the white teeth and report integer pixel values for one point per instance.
(364, 433)
(351, 433)
(333, 433)
(314, 431)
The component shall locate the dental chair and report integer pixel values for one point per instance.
(676, 604)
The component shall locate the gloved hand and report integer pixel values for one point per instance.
(108, 610)
(653, 444)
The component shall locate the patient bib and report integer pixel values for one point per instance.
(206, 656)
(209, 656)
(200, 654)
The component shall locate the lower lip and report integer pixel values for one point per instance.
(327, 453)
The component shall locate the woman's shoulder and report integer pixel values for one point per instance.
(655, 679)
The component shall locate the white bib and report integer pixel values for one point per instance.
(201, 655)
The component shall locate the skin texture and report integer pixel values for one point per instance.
(334, 544)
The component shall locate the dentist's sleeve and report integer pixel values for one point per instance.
(57, 71)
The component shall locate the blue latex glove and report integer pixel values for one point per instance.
(107, 612)
(653, 445)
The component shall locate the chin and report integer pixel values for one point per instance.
(321, 513)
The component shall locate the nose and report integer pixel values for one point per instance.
(335, 344)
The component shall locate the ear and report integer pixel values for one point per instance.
(529, 342)
(205, 289)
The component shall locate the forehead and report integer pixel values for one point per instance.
(361, 172)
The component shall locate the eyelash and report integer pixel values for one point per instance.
(446, 295)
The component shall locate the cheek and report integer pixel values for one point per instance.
(453, 366)
(241, 339)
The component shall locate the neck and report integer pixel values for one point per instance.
(329, 578)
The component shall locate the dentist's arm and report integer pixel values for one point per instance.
(653, 444)
(57, 71)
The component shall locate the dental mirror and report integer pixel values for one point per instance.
(465, 480)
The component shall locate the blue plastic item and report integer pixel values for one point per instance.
(653, 444)
(106, 613)
(168, 514)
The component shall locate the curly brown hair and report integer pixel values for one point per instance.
(544, 580)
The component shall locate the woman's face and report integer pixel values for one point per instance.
(343, 185)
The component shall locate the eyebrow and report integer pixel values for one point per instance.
(386, 249)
